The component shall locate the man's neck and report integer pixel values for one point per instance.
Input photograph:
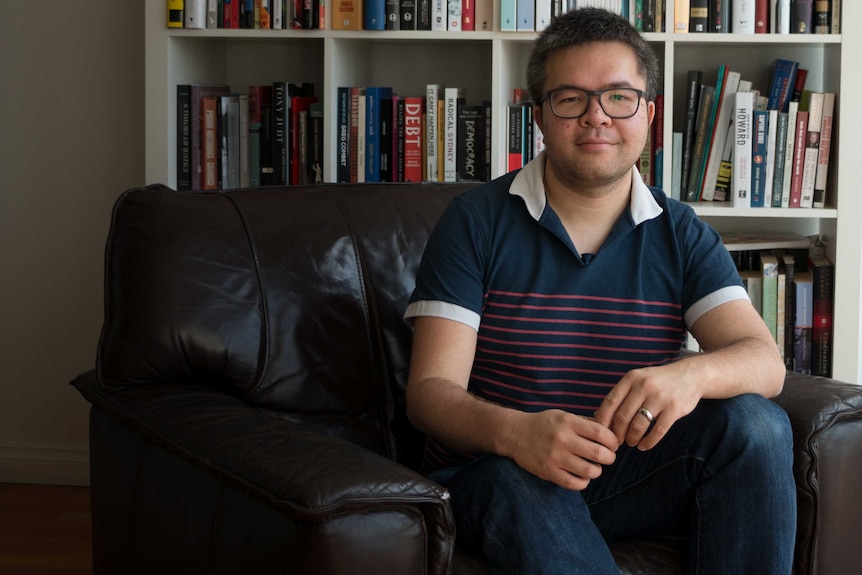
(588, 214)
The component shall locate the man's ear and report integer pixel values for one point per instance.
(651, 112)
(537, 116)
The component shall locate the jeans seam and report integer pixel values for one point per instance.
(645, 477)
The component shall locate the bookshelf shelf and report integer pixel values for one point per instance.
(490, 65)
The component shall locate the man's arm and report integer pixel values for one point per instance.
(740, 357)
(555, 445)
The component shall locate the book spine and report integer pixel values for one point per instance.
(742, 13)
(243, 148)
(781, 84)
(681, 16)
(469, 146)
(433, 93)
(374, 14)
(184, 137)
(347, 15)
(508, 15)
(812, 149)
(789, 308)
(742, 131)
(769, 307)
(758, 158)
(657, 138)
(198, 92)
(315, 143)
(803, 327)
(212, 14)
(342, 169)
(719, 16)
(704, 111)
(771, 136)
(782, 17)
(209, 143)
(544, 13)
(822, 273)
(515, 113)
(361, 138)
(355, 164)
(453, 98)
(393, 14)
(723, 120)
(778, 159)
(820, 179)
(484, 15)
(835, 17)
(468, 15)
(693, 83)
(407, 11)
(761, 16)
(279, 133)
(798, 159)
(176, 17)
(398, 136)
(386, 137)
(698, 17)
(440, 15)
(789, 143)
(801, 17)
(820, 16)
(526, 12)
(195, 14)
(413, 158)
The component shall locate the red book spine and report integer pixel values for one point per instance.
(413, 138)
(761, 17)
(798, 159)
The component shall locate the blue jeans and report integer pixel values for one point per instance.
(722, 477)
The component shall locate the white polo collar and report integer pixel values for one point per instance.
(529, 184)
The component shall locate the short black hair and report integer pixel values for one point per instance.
(583, 26)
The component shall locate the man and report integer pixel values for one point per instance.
(549, 311)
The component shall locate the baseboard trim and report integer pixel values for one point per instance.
(44, 465)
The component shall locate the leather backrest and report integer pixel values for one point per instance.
(288, 298)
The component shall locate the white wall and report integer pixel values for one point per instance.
(71, 140)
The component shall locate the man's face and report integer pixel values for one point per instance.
(593, 149)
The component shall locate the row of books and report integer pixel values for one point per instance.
(270, 135)
(695, 16)
(754, 149)
(718, 16)
(524, 140)
(792, 288)
(247, 14)
(757, 16)
(438, 136)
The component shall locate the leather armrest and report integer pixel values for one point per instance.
(304, 474)
(826, 416)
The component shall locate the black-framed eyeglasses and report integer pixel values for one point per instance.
(617, 103)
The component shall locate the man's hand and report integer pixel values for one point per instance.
(667, 392)
(563, 448)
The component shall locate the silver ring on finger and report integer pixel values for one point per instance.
(646, 413)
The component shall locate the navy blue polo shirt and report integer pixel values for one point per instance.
(557, 329)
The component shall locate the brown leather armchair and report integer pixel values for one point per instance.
(248, 396)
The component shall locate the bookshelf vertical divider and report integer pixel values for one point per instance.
(491, 65)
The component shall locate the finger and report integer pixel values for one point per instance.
(613, 400)
(626, 416)
(638, 427)
(660, 427)
(598, 435)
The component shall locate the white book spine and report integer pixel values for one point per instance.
(742, 16)
(450, 134)
(277, 16)
(195, 14)
(825, 146)
(812, 150)
(454, 13)
(782, 18)
(440, 15)
(543, 14)
(676, 165)
(432, 94)
(742, 129)
(722, 127)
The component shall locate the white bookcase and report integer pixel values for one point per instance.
(489, 65)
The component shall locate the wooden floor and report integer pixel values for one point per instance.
(44, 530)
